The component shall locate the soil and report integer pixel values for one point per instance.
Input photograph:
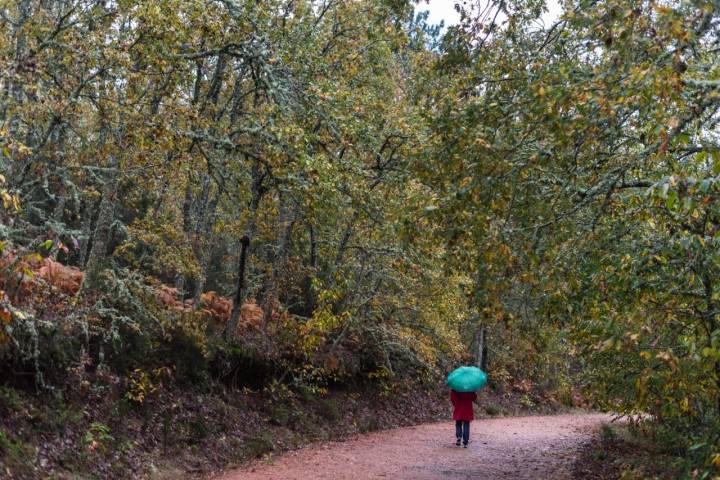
(519, 448)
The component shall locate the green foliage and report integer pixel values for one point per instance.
(607, 435)
(98, 437)
(279, 414)
(15, 453)
(369, 424)
(185, 356)
(493, 409)
(329, 409)
(10, 400)
(243, 367)
(197, 430)
(260, 445)
(580, 160)
(150, 155)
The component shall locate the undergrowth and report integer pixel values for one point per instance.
(106, 383)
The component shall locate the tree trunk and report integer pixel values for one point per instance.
(258, 190)
(345, 240)
(188, 206)
(179, 286)
(189, 211)
(481, 348)
(204, 247)
(16, 90)
(101, 238)
(169, 157)
(88, 214)
(310, 301)
(287, 219)
(57, 218)
(240, 292)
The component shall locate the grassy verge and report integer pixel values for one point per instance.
(623, 452)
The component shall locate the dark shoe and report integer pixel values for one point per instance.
(458, 442)
(464, 445)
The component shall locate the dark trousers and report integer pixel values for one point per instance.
(462, 430)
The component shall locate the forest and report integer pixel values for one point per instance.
(226, 199)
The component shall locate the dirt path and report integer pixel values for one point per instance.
(505, 448)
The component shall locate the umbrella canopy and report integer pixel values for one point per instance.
(466, 379)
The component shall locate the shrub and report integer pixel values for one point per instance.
(197, 430)
(279, 414)
(16, 454)
(329, 409)
(238, 367)
(98, 437)
(607, 433)
(493, 409)
(10, 400)
(369, 424)
(260, 445)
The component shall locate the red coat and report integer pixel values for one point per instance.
(462, 401)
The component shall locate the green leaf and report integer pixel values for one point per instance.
(705, 185)
(716, 161)
(709, 352)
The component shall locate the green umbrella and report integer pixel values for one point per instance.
(466, 379)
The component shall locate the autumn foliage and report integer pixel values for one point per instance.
(61, 277)
(302, 193)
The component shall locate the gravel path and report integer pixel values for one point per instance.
(518, 448)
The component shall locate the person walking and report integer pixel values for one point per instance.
(463, 415)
